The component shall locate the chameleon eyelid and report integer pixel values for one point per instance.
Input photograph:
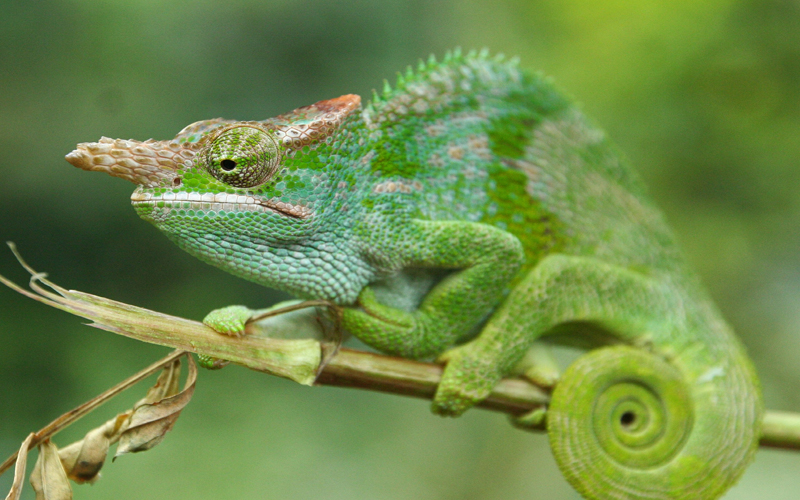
(242, 155)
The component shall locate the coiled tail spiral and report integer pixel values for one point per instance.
(624, 424)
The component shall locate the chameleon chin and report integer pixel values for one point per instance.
(504, 215)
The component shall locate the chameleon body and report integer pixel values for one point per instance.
(464, 214)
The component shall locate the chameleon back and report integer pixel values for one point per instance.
(481, 140)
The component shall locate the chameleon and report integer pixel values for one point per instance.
(464, 215)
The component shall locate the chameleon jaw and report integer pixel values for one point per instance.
(216, 202)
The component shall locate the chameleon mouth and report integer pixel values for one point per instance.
(218, 202)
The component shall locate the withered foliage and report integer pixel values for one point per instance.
(138, 429)
(19, 470)
(49, 479)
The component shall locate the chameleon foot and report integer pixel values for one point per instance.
(469, 377)
(210, 363)
(229, 320)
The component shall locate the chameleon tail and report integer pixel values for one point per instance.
(624, 424)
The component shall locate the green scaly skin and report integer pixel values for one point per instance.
(464, 214)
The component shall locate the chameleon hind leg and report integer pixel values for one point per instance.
(560, 289)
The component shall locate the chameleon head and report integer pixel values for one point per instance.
(253, 190)
(210, 167)
(225, 166)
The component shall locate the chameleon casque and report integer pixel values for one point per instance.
(464, 214)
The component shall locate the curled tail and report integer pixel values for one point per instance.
(626, 424)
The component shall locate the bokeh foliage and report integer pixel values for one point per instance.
(704, 96)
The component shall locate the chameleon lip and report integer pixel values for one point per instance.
(218, 202)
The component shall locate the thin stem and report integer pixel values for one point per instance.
(781, 430)
(376, 372)
(293, 307)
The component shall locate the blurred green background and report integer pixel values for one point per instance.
(704, 96)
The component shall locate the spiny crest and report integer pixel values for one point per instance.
(434, 83)
(452, 58)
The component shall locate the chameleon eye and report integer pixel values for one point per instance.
(242, 156)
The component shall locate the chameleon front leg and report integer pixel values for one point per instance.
(484, 260)
(231, 321)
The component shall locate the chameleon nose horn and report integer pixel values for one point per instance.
(79, 159)
(148, 163)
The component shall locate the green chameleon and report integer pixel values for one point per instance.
(464, 214)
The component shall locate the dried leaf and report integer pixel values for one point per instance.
(151, 421)
(83, 459)
(49, 480)
(19, 469)
(117, 425)
(168, 384)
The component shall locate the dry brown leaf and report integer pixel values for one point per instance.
(19, 469)
(49, 480)
(168, 384)
(82, 460)
(152, 420)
